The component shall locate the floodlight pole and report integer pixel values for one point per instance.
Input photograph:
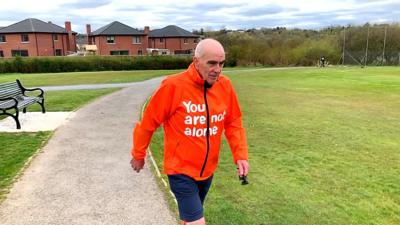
(384, 46)
(366, 49)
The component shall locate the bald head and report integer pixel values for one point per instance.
(209, 58)
(208, 45)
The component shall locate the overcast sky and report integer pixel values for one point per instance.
(196, 14)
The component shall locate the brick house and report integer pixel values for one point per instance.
(117, 39)
(173, 38)
(33, 37)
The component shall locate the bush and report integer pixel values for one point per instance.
(92, 63)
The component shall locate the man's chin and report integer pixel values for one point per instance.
(211, 81)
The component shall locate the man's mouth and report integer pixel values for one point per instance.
(213, 76)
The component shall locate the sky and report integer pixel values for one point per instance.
(206, 14)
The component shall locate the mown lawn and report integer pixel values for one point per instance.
(51, 79)
(324, 149)
(17, 148)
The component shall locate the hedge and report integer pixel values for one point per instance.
(91, 63)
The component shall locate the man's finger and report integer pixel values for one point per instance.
(245, 170)
(240, 167)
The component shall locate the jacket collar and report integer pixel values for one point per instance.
(194, 75)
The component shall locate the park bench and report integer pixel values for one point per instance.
(13, 97)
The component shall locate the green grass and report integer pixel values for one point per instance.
(50, 79)
(324, 149)
(17, 148)
(70, 100)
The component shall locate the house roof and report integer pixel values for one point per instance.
(116, 28)
(81, 39)
(171, 31)
(33, 26)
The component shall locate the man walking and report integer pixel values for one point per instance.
(195, 107)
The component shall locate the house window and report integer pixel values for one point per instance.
(2, 38)
(23, 53)
(161, 40)
(124, 52)
(140, 52)
(24, 38)
(185, 41)
(136, 40)
(1, 54)
(55, 37)
(110, 39)
(58, 52)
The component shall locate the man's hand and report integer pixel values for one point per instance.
(243, 167)
(137, 165)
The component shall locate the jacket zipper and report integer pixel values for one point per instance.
(208, 128)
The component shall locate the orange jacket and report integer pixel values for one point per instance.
(186, 107)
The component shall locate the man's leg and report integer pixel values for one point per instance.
(200, 221)
(204, 186)
(186, 192)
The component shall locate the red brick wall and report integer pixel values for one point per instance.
(173, 43)
(39, 44)
(121, 43)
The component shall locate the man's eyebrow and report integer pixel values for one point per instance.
(215, 62)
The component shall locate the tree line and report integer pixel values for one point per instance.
(377, 44)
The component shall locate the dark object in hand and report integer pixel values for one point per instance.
(244, 180)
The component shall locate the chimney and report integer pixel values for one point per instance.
(68, 26)
(70, 38)
(88, 29)
(146, 32)
(88, 32)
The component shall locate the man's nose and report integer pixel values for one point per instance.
(218, 67)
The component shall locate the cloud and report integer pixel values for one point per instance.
(85, 4)
(196, 14)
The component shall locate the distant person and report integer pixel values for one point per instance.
(322, 61)
(195, 107)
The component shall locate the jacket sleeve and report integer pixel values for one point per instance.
(157, 111)
(234, 131)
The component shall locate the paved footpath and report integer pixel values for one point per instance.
(83, 176)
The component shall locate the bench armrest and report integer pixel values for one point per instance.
(34, 89)
(23, 89)
(10, 98)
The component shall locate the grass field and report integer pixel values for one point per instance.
(324, 149)
(106, 77)
(17, 148)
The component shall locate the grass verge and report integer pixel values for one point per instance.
(105, 77)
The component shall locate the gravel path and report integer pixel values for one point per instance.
(83, 176)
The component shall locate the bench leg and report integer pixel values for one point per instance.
(24, 110)
(17, 121)
(42, 105)
(15, 117)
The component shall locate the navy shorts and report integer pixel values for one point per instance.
(190, 195)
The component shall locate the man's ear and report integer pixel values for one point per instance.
(195, 61)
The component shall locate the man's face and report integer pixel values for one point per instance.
(210, 64)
